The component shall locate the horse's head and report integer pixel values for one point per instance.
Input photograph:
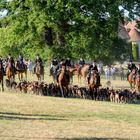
(63, 69)
(94, 78)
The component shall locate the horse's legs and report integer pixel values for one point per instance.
(26, 75)
(2, 85)
(21, 76)
(95, 94)
(91, 93)
(62, 92)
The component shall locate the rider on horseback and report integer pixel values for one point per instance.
(81, 64)
(21, 61)
(138, 69)
(11, 61)
(38, 60)
(131, 67)
(1, 64)
(92, 69)
(68, 62)
(62, 63)
(54, 65)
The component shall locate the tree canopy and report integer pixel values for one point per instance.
(65, 28)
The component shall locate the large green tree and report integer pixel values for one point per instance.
(74, 28)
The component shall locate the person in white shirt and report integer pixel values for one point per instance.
(113, 72)
(107, 72)
(30, 67)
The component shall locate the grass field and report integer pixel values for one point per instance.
(33, 117)
(30, 117)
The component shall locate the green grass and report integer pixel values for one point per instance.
(33, 117)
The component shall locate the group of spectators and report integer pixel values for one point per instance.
(112, 72)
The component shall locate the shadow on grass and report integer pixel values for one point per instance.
(19, 116)
(92, 138)
(46, 138)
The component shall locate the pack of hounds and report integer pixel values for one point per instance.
(74, 91)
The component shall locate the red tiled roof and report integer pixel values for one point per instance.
(131, 25)
(134, 35)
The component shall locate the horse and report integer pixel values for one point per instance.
(39, 71)
(131, 78)
(93, 85)
(83, 72)
(72, 71)
(10, 72)
(63, 82)
(21, 68)
(1, 78)
(137, 82)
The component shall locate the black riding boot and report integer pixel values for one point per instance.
(3, 71)
(98, 81)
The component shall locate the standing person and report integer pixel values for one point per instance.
(30, 66)
(113, 73)
(100, 67)
(107, 72)
(122, 73)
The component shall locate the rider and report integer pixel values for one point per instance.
(21, 61)
(81, 64)
(138, 69)
(54, 63)
(10, 60)
(1, 63)
(38, 60)
(68, 62)
(131, 67)
(93, 68)
(62, 63)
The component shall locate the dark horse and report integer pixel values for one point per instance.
(93, 85)
(1, 78)
(63, 82)
(21, 68)
(39, 71)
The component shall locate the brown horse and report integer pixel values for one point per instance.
(20, 70)
(131, 78)
(137, 82)
(10, 72)
(1, 78)
(39, 71)
(63, 82)
(83, 72)
(93, 85)
(72, 71)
